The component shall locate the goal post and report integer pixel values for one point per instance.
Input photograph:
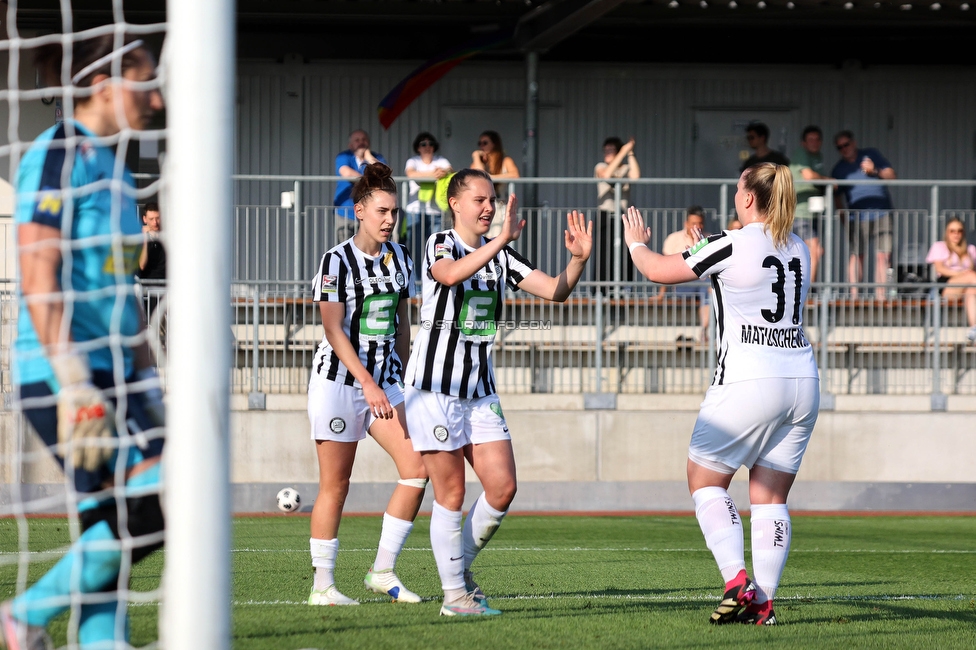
(198, 191)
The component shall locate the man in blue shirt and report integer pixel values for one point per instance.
(868, 207)
(350, 164)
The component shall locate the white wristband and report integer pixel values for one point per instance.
(70, 368)
(636, 244)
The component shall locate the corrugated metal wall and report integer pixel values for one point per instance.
(295, 118)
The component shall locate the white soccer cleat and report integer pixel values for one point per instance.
(329, 596)
(387, 583)
(472, 588)
(17, 635)
(466, 605)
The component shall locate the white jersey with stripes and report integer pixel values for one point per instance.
(452, 351)
(371, 289)
(760, 291)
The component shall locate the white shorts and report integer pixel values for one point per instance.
(765, 422)
(339, 412)
(439, 422)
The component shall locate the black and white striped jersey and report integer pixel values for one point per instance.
(452, 351)
(371, 289)
(760, 291)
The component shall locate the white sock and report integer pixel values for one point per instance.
(392, 538)
(771, 536)
(481, 524)
(324, 553)
(720, 522)
(445, 541)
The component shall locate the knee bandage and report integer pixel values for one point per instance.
(419, 483)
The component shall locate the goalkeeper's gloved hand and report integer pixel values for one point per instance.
(85, 419)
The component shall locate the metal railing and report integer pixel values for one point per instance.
(616, 338)
(275, 244)
(619, 338)
(616, 333)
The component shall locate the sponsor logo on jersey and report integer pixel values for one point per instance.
(87, 150)
(387, 259)
(330, 283)
(697, 247)
(440, 432)
(50, 204)
(383, 279)
(442, 250)
(338, 425)
(127, 262)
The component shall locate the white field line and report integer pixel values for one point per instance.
(11, 557)
(632, 597)
(578, 549)
(642, 597)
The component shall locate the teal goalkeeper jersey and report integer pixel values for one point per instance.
(77, 186)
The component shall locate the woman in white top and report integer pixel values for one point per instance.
(423, 214)
(765, 396)
(955, 264)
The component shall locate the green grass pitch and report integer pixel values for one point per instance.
(588, 582)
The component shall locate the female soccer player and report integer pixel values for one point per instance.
(80, 332)
(764, 399)
(362, 288)
(452, 409)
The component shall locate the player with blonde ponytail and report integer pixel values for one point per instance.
(760, 275)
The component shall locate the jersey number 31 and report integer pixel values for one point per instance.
(779, 289)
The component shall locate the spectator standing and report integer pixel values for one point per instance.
(954, 260)
(152, 261)
(490, 157)
(423, 213)
(619, 161)
(757, 134)
(680, 241)
(869, 205)
(808, 165)
(350, 164)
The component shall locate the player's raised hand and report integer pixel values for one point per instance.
(85, 419)
(635, 232)
(579, 235)
(512, 226)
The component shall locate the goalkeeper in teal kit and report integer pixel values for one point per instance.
(82, 367)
